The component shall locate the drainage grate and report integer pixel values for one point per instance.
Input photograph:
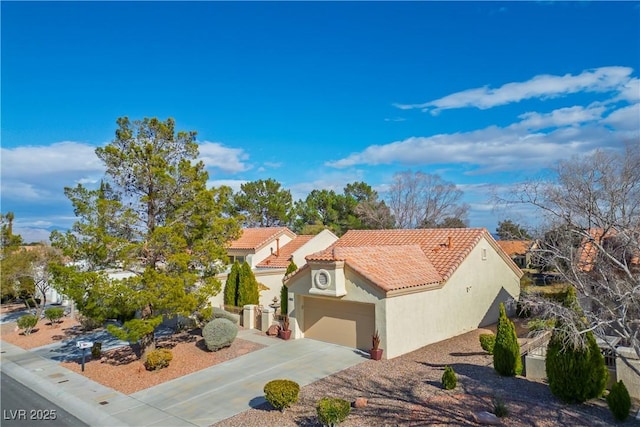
(104, 402)
(63, 381)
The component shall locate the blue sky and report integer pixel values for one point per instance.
(316, 94)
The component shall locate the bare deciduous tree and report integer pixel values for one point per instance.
(424, 200)
(592, 205)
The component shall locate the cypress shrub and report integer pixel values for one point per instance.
(487, 342)
(449, 380)
(219, 333)
(231, 285)
(575, 374)
(619, 401)
(281, 393)
(284, 297)
(506, 350)
(248, 287)
(332, 411)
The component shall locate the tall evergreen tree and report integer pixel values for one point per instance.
(506, 351)
(575, 374)
(248, 287)
(154, 218)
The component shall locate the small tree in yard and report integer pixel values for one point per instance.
(506, 350)
(54, 314)
(619, 401)
(154, 218)
(575, 374)
(241, 287)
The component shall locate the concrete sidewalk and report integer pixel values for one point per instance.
(201, 398)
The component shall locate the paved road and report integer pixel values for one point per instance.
(23, 407)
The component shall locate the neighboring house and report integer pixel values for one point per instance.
(269, 250)
(415, 287)
(519, 250)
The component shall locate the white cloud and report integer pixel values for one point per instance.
(604, 79)
(570, 116)
(626, 118)
(333, 180)
(233, 183)
(39, 173)
(229, 160)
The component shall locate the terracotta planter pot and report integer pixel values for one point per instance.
(376, 354)
(285, 335)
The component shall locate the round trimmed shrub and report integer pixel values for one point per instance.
(27, 323)
(575, 374)
(449, 380)
(219, 333)
(158, 359)
(54, 314)
(281, 393)
(506, 350)
(332, 411)
(619, 401)
(487, 342)
(219, 313)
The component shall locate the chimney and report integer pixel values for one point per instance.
(277, 246)
(449, 243)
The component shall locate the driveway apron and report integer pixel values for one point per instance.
(222, 391)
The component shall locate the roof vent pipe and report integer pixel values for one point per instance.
(450, 243)
(277, 246)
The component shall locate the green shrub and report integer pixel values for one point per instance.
(96, 350)
(619, 401)
(449, 380)
(219, 313)
(281, 393)
(575, 375)
(27, 323)
(89, 323)
(487, 342)
(54, 314)
(158, 359)
(241, 287)
(499, 407)
(332, 411)
(506, 350)
(219, 333)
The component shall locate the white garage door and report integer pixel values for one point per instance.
(346, 323)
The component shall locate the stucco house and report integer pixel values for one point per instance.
(269, 250)
(520, 251)
(415, 287)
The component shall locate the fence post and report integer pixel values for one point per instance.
(249, 316)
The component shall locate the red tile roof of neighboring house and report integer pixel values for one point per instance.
(514, 247)
(284, 258)
(414, 257)
(256, 238)
(589, 248)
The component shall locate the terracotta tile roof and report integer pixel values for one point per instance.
(445, 248)
(589, 250)
(514, 247)
(286, 251)
(409, 265)
(256, 238)
(396, 259)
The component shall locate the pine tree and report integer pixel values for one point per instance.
(506, 351)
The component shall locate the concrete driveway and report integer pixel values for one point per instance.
(223, 390)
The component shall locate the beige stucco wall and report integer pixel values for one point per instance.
(299, 289)
(263, 253)
(320, 242)
(469, 299)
